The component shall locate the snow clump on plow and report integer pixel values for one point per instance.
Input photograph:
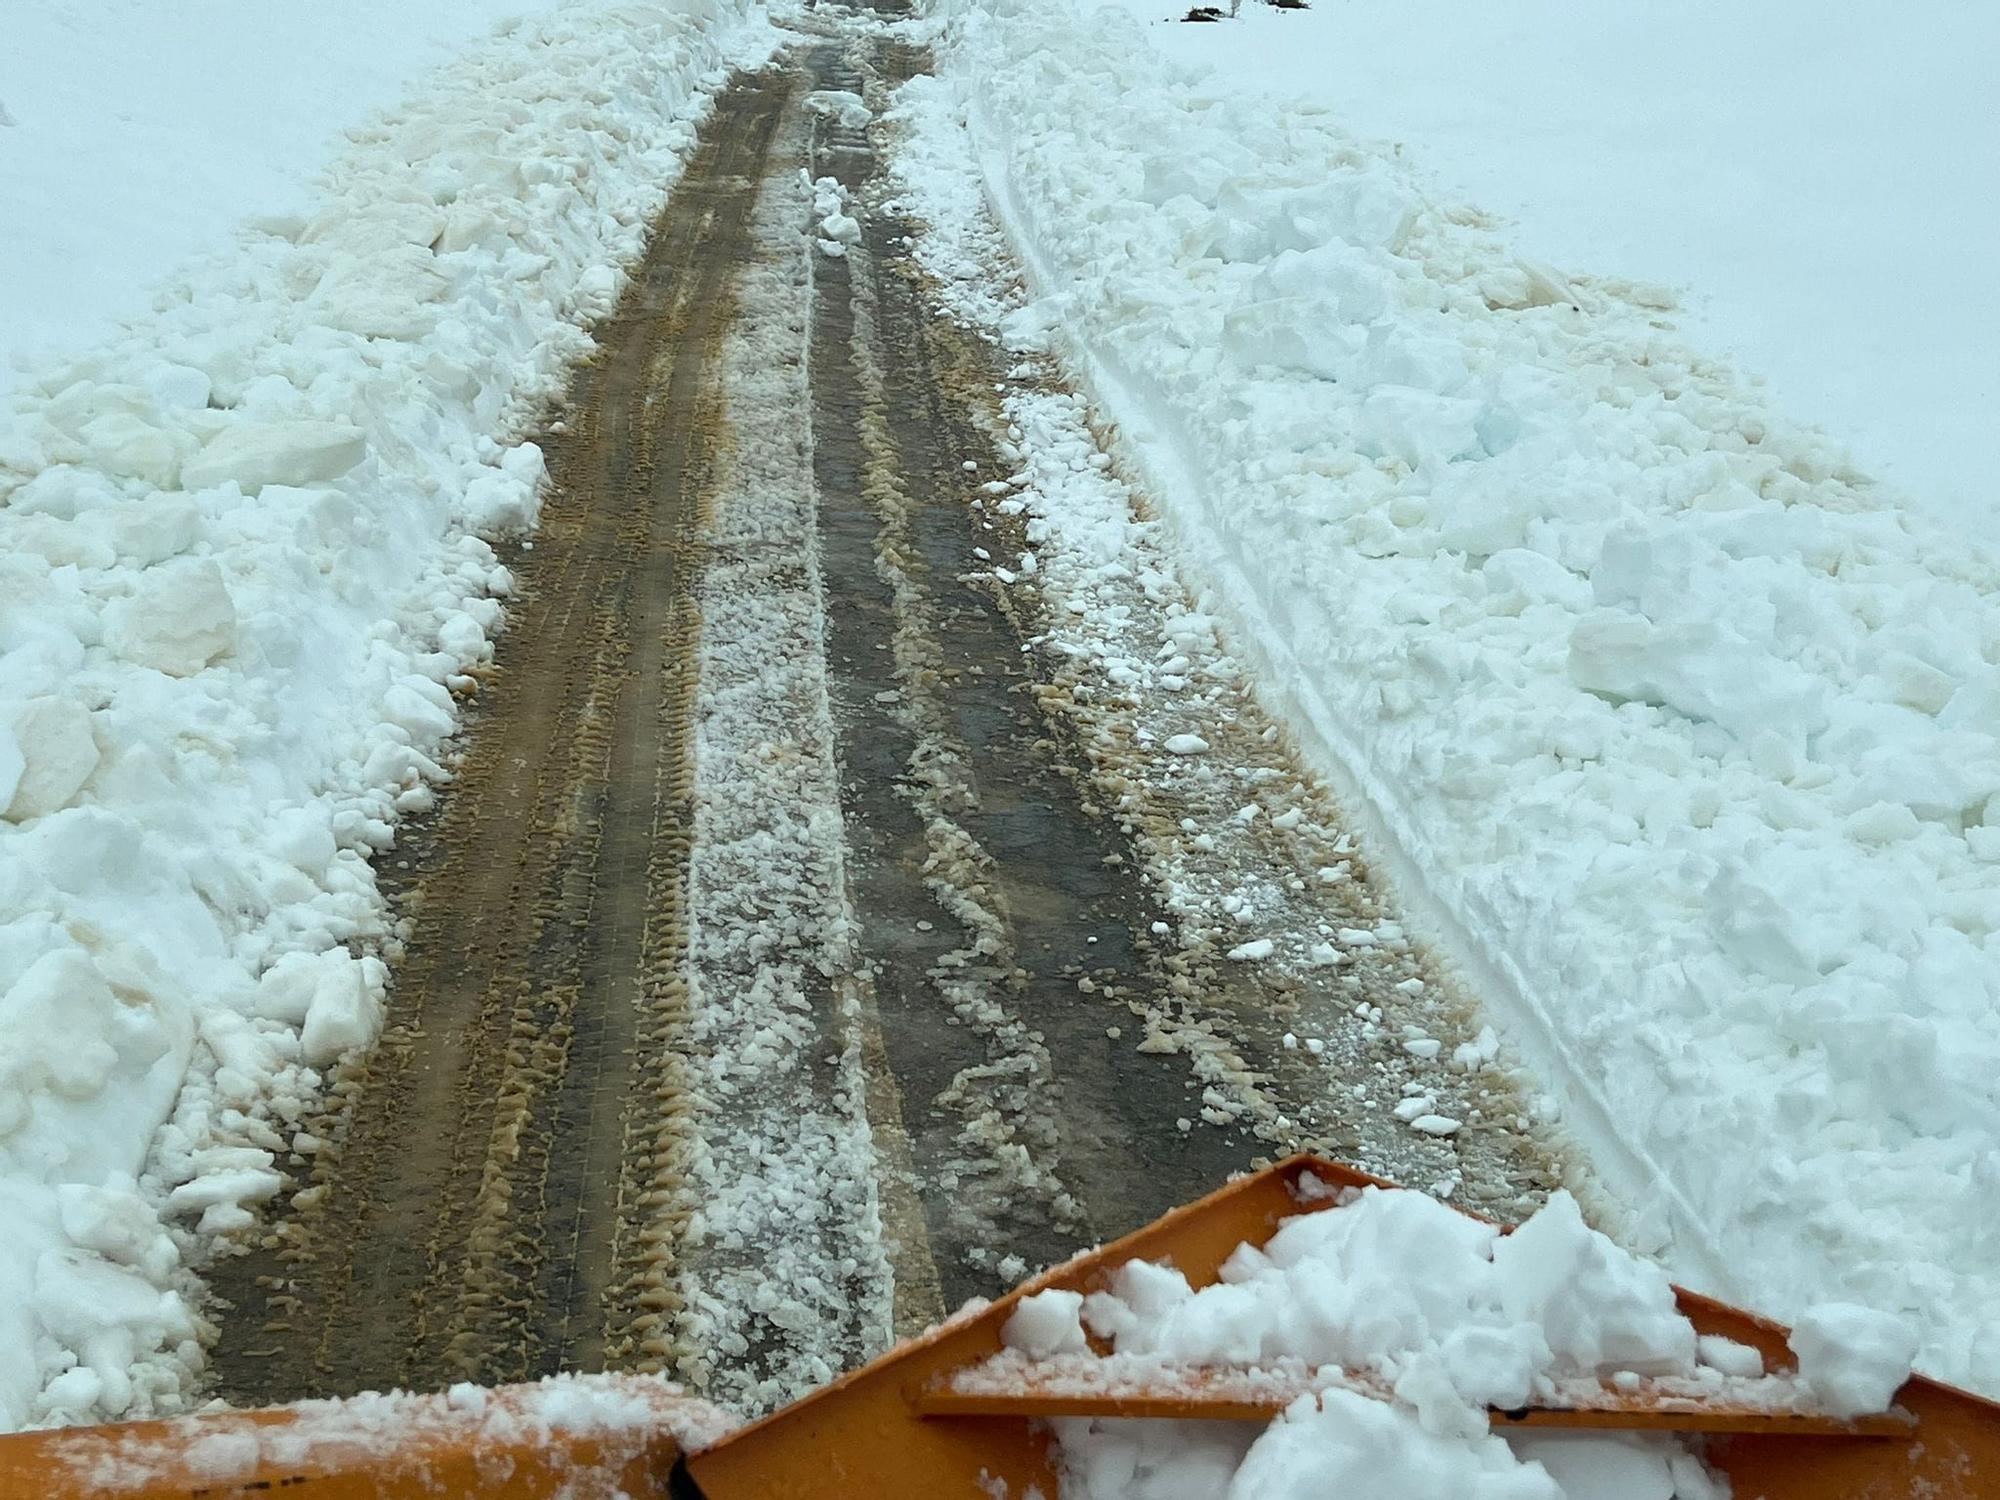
(1404, 1323)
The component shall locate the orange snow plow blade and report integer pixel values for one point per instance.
(902, 1429)
(588, 1439)
(913, 1425)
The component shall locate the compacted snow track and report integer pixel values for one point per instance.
(820, 930)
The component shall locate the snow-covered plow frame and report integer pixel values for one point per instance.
(911, 1424)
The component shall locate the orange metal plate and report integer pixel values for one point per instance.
(509, 1450)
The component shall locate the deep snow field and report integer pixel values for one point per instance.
(1812, 184)
(1680, 730)
(243, 574)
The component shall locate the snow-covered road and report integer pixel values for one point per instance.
(1027, 556)
(822, 921)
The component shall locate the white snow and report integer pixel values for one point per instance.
(1405, 1321)
(136, 136)
(242, 572)
(1677, 730)
(1799, 185)
(1046, 1324)
(1853, 1359)
(1730, 1357)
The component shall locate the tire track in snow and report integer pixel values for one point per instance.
(986, 887)
(906, 862)
(1306, 1012)
(1028, 726)
(497, 1195)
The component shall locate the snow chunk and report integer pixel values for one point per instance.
(178, 620)
(1046, 1324)
(1347, 1444)
(1603, 1309)
(343, 1010)
(46, 759)
(1852, 1358)
(105, 1314)
(1184, 744)
(1730, 1357)
(506, 498)
(254, 454)
(842, 106)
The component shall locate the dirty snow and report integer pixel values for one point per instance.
(623, 1417)
(1680, 732)
(243, 578)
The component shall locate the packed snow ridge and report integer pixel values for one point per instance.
(1444, 1317)
(244, 570)
(1685, 736)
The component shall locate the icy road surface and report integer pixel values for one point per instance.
(848, 898)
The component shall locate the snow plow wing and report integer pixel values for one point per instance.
(907, 1425)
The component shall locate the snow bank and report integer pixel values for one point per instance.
(1684, 736)
(242, 575)
(1442, 1318)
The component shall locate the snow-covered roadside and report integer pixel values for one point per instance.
(1685, 739)
(133, 136)
(242, 575)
